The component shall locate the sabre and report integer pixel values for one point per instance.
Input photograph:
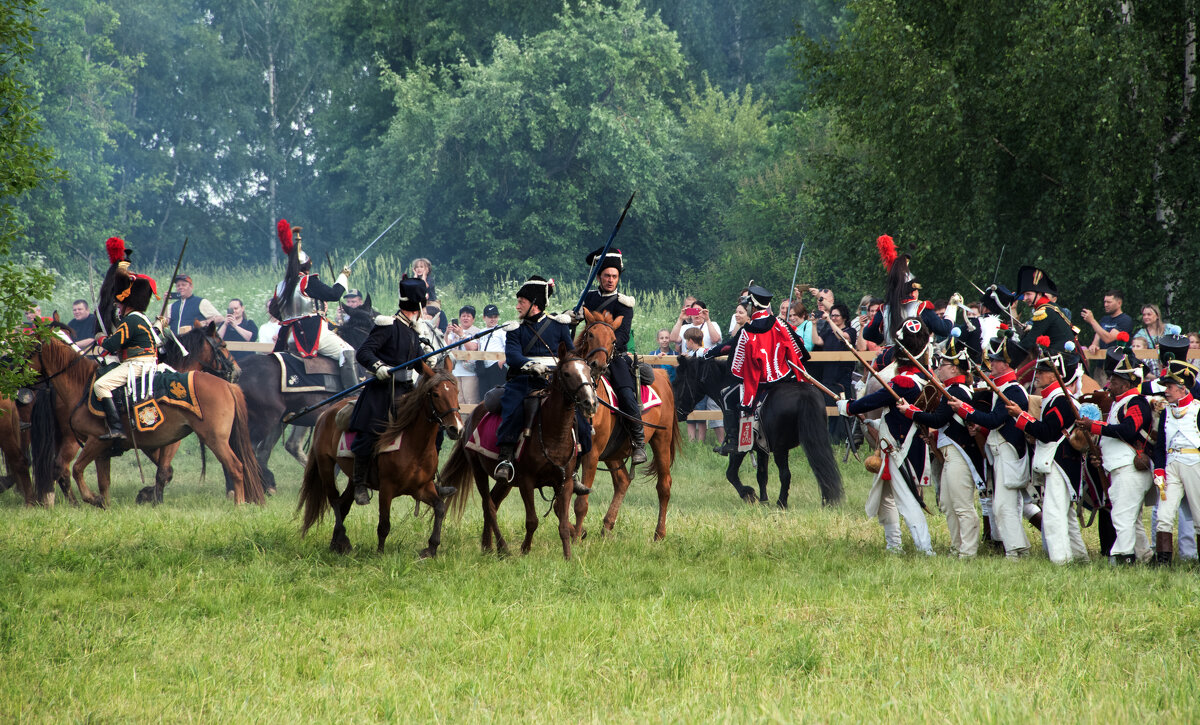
(996, 274)
(385, 231)
(792, 289)
(1019, 325)
(607, 246)
(507, 327)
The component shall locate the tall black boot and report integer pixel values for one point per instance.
(505, 471)
(362, 464)
(115, 428)
(729, 446)
(637, 436)
(349, 374)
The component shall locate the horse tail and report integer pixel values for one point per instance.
(239, 441)
(45, 437)
(812, 425)
(203, 461)
(314, 499)
(457, 472)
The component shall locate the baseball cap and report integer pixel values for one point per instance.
(491, 311)
(182, 278)
(352, 293)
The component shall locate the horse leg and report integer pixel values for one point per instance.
(620, 476)
(662, 464)
(295, 443)
(531, 519)
(262, 451)
(562, 507)
(104, 478)
(428, 496)
(760, 474)
(229, 461)
(384, 527)
(588, 480)
(495, 498)
(86, 456)
(340, 543)
(785, 477)
(731, 474)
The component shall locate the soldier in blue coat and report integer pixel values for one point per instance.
(529, 353)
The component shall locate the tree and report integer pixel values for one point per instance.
(24, 165)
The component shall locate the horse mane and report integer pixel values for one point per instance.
(410, 405)
(191, 341)
(61, 356)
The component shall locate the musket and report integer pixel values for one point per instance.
(171, 284)
(507, 327)
(792, 289)
(988, 381)
(607, 246)
(801, 371)
(867, 365)
(925, 371)
(385, 231)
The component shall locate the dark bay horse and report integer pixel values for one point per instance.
(610, 442)
(549, 457)
(409, 471)
(223, 427)
(793, 415)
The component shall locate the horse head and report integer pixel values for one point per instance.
(574, 379)
(595, 343)
(206, 351)
(686, 387)
(442, 394)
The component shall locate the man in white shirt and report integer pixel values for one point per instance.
(491, 372)
(464, 370)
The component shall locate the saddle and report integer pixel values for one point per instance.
(144, 394)
(307, 374)
(483, 439)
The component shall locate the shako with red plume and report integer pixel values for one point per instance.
(115, 246)
(284, 230)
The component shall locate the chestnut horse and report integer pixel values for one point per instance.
(548, 459)
(13, 446)
(595, 344)
(409, 471)
(222, 428)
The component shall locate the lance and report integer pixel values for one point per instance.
(603, 253)
(385, 231)
(996, 274)
(507, 327)
(792, 289)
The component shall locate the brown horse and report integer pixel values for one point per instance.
(13, 446)
(222, 428)
(595, 343)
(409, 471)
(549, 458)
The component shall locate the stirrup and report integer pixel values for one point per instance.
(505, 471)
(580, 489)
(362, 494)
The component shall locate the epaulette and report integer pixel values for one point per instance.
(904, 381)
(564, 318)
(923, 306)
(384, 320)
(626, 300)
(1039, 314)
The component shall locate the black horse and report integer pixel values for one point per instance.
(793, 415)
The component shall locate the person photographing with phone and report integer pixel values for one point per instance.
(235, 327)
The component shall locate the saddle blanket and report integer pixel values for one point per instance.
(483, 439)
(307, 375)
(650, 397)
(164, 386)
(347, 440)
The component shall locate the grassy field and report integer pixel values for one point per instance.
(194, 611)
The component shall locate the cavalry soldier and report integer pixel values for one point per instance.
(905, 458)
(962, 469)
(1037, 289)
(298, 303)
(1122, 438)
(116, 279)
(1006, 447)
(529, 354)
(901, 301)
(135, 340)
(607, 299)
(1177, 454)
(1053, 454)
(388, 344)
(764, 351)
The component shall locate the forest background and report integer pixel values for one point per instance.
(506, 136)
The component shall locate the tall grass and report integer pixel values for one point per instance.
(196, 611)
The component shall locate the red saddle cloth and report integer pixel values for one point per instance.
(650, 397)
(347, 440)
(483, 439)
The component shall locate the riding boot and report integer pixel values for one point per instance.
(1122, 559)
(729, 446)
(580, 489)
(348, 374)
(1164, 548)
(362, 463)
(115, 428)
(505, 471)
(637, 436)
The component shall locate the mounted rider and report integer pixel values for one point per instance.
(1048, 320)
(298, 303)
(764, 351)
(529, 354)
(135, 341)
(620, 367)
(391, 342)
(902, 301)
(116, 280)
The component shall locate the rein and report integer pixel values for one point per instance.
(596, 350)
(433, 416)
(572, 398)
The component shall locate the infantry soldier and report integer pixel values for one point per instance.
(1006, 447)
(298, 302)
(135, 341)
(529, 354)
(1048, 320)
(1122, 438)
(607, 299)
(1177, 453)
(905, 465)
(1053, 454)
(961, 471)
(389, 343)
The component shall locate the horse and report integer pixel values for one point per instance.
(410, 470)
(549, 458)
(609, 441)
(223, 427)
(792, 415)
(13, 447)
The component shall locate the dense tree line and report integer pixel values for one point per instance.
(1057, 132)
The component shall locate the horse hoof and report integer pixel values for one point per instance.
(340, 546)
(781, 504)
(269, 490)
(582, 534)
(428, 553)
(144, 496)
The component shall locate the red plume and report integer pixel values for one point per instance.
(1043, 341)
(887, 250)
(1003, 326)
(1122, 336)
(116, 249)
(284, 230)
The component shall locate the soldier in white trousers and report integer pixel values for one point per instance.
(1177, 454)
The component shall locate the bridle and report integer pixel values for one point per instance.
(225, 364)
(587, 331)
(433, 415)
(573, 401)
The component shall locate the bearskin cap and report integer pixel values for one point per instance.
(612, 259)
(413, 293)
(537, 290)
(139, 295)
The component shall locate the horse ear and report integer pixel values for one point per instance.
(426, 371)
(56, 317)
(210, 330)
(617, 322)
(563, 351)
(448, 364)
(589, 315)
